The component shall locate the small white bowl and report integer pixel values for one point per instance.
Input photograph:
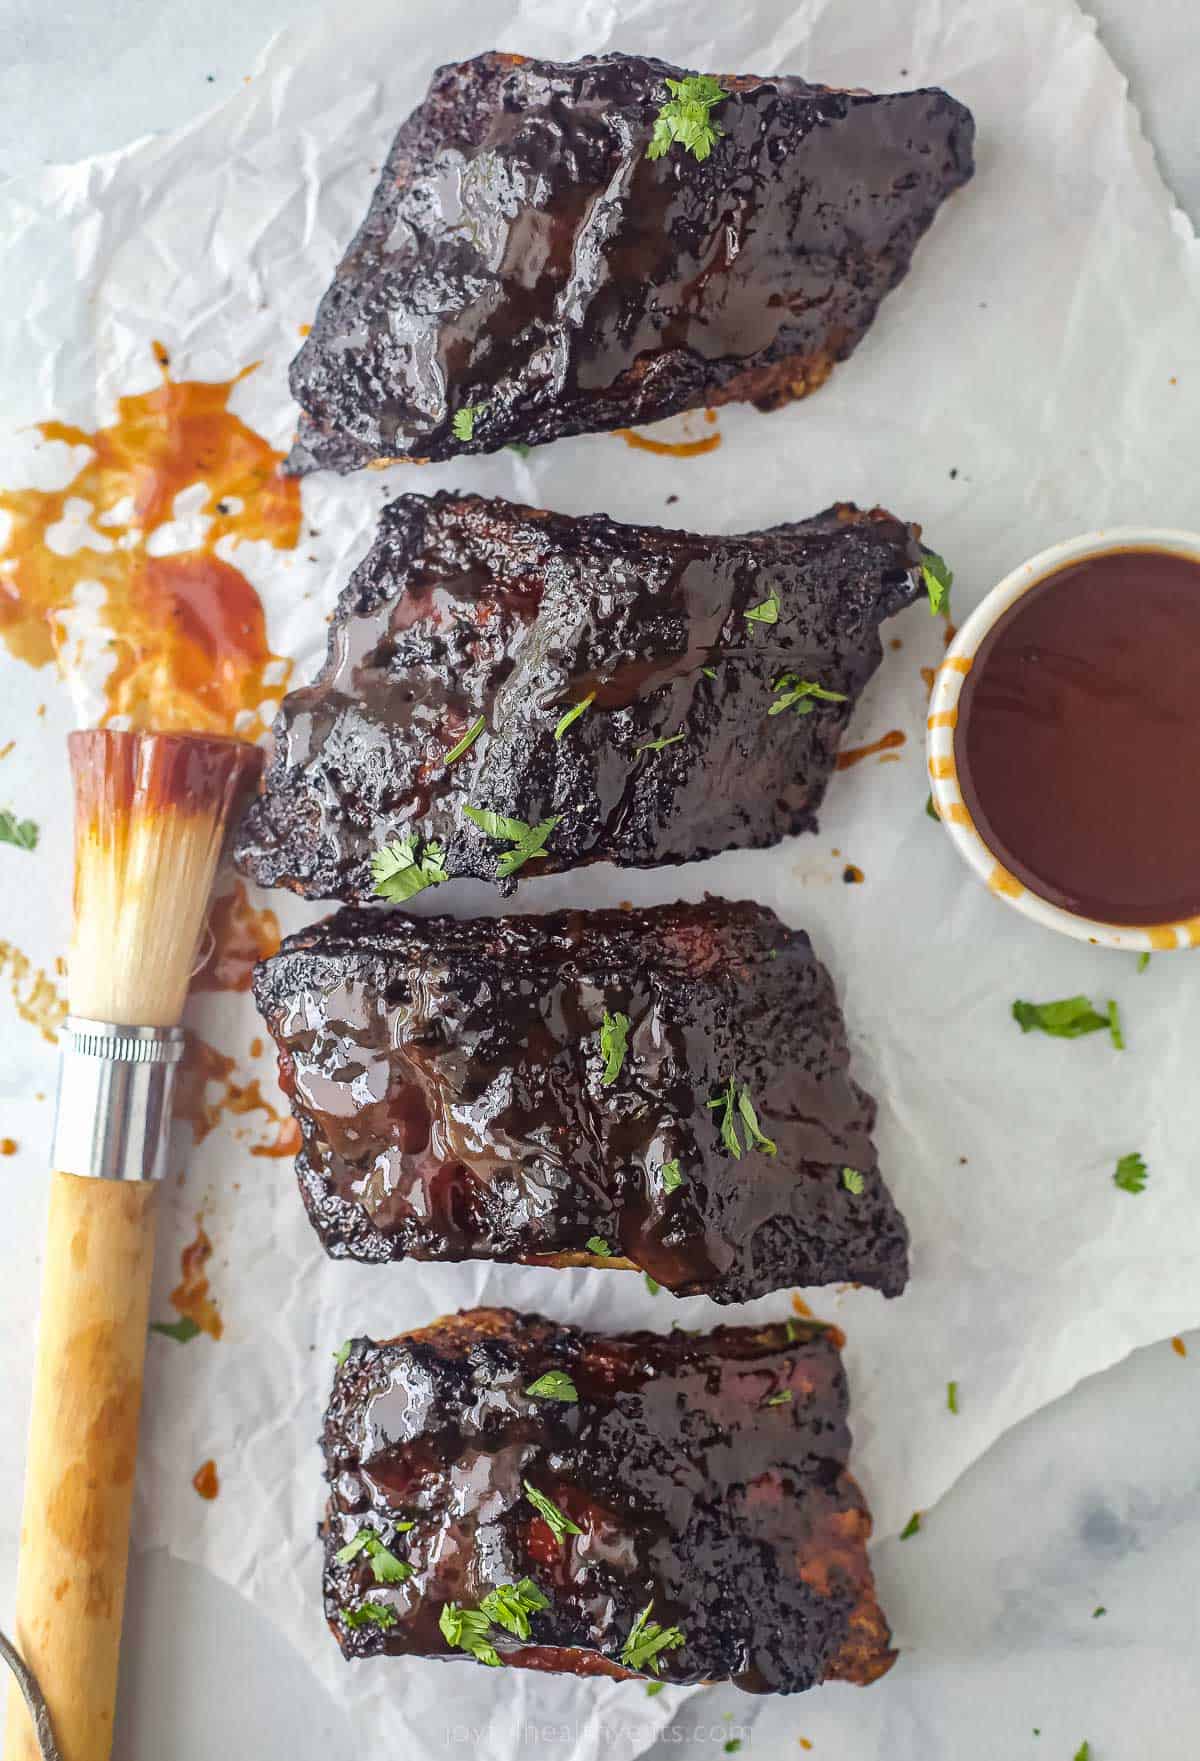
(943, 718)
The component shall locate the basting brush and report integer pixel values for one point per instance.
(151, 812)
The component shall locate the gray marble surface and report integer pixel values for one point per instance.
(1092, 1504)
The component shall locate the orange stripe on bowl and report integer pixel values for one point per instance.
(1000, 881)
(958, 663)
(945, 718)
(1163, 935)
(956, 813)
(942, 768)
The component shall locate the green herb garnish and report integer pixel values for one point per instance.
(657, 745)
(1097, 1612)
(710, 672)
(463, 425)
(733, 1745)
(647, 1641)
(793, 692)
(573, 714)
(520, 448)
(1067, 1019)
(385, 1567)
(369, 1614)
(342, 1353)
(596, 1244)
(912, 1526)
(1114, 1026)
(1131, 1173)
(469, 738)
(181, 1330)
(652, 1284)
(560, 1526)
(765, 612)
(467, 1629)
(685, 118)
(398, 872)
(852, 1180)
(671, 1177)
(781, 1399)
(930, 809)
(653, 1688)
(938, 578)
(614, 1037)
(554, 1385)
(528, 840)
(737, 1108)
(510, 1605)
(1143, 960)
(952, 1397)
(1084, 1752)
(21, 832)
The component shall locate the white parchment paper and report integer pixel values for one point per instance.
(1037, 374)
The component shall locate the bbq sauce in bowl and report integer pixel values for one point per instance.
(1077, 743)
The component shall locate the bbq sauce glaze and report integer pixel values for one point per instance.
(1078, 738)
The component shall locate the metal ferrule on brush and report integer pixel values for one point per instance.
(115, 1089)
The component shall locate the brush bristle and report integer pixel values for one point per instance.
(151, 812)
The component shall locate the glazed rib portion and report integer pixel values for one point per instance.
(700, 1477)
(666, 1088)
(525, 270)
(627, 683)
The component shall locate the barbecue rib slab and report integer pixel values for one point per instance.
(525, 268)
(706, 1477)
(449, 1079)
(468, 611)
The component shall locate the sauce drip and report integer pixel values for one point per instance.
(205, 1480)
(203, 1069)
(855, 754)
(1078, 741)
(241, 934)
(675, 449)
(185, 629)
(190, 1296)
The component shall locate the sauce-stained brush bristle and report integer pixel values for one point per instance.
(151, 812)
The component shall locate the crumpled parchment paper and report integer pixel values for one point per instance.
(1036, 375)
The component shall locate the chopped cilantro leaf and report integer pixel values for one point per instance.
(463, 425)
(1131, 1173)
(652, 1284)
(369, 1614)
(573, 714)
(528, 841)
(560, 1526)
(783, 1398)
(399, 874)
(685, 117)
(912, 1526)
(181, 1330)
(1069, 1018)
(554, 1385)
(658, 745)
(614, 1039)
(21, 832)
(468, 740)
(653, 1688)
(510, 1605)
(952, 1397)
(737, 1107)
(1114, 1026)
(385, 1567)
(467, 1630)
(342, 1353)
(852, 1180)
(596, 1244)
(647, 1641)
(930, 809)
(1097, 1612)
(765, 612)
(1143, 960)
(938, 578)
(671, 1177)
(793, 692)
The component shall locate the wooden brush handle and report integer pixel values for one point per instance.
(87, 1390)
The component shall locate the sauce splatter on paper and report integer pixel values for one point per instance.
(35, 995)
(206, 1481)
(204, 1066)
(185, 629)
(855, 754)
(190, 1296)
(241, 933)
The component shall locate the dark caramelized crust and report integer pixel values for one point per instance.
(706, 1473)
(523, 258)
(467, 609)
(448, 1079)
